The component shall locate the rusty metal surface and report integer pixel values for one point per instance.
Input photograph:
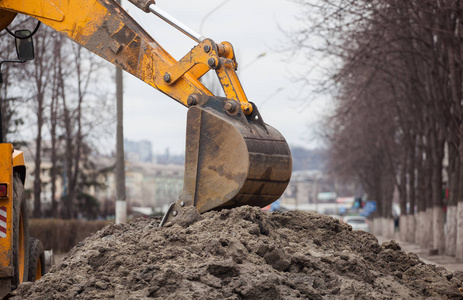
(6, 272)
(5, 286)
(6, 17)
(231, 159)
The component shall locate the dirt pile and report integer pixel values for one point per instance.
(242, 253)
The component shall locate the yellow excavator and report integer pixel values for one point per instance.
(232, 156)
(22, 258)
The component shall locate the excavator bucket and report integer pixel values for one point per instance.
(232, 159)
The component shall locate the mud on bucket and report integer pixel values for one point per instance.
(231, 159)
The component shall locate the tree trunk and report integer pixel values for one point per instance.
(54, 161)
(459, 242)
(427, 226)
(68, 206)
(121, 204)
(438, 229)
(410, 235)
(428, 233)
(452, 209)
(388, 193)
(438, 207)
(403, 227)
(451, 234)
(419, 229)
(388, 224)
(402, 187)
(38, 159)
(421, 200)
(53, 125)
(459, 230)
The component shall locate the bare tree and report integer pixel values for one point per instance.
(39, 73)
(78, 123)
(399, 69)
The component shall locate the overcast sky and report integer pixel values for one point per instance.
(254, 29)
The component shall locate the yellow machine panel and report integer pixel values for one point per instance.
(6, 212)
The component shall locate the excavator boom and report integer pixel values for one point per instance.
(105, 29)
(232, 157)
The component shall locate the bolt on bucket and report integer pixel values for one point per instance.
(231, 159)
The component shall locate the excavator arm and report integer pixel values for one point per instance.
(232, 157)
(105, 29)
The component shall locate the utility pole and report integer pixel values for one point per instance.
(121, 204)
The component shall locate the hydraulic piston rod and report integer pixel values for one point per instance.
(150, 6)
(176, 23)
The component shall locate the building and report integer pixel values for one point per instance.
(148, 184)
(138, 151)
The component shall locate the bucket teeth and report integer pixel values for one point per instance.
(232, 159)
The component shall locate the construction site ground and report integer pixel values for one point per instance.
(448, 262)
(242, 253)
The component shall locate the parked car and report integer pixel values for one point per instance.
(358, 223)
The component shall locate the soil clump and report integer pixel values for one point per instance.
(242, 253)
